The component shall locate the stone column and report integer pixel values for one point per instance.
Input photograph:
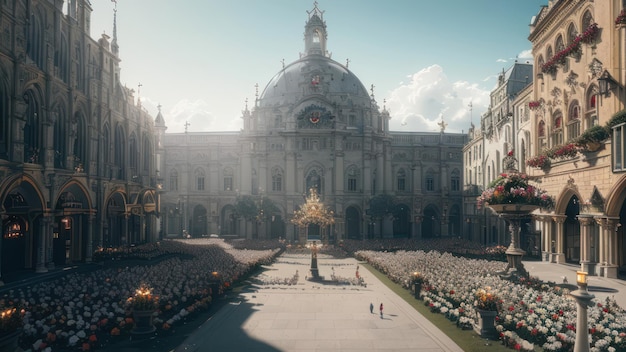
(559, 256)
(44, 223)
(586, 223)
(545, 237)
(90, 231)
(608, 247)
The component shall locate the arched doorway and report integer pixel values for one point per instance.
(430, 222)
(228, 221)
(199, 221)
(401, 225)
(353, 224)
(277, 227)
(115, 229)
(71, 230)
(454, 221)
(23, 228)
(571, 231)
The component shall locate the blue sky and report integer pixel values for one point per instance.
(201, 59)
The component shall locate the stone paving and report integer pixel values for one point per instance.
(317, 316)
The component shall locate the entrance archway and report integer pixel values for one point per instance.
(430, 228)
(401, 225)
(199, 221)
(353, 224)
(571, 231)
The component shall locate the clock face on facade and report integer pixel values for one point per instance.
(315, 116)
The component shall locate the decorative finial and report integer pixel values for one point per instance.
(246, 104)
(187, 124)
(159, 107)
(372, 90)
(283, 62)
(256, 94)
(347, 63)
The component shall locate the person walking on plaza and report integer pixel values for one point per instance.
(381, 311)
(371, 308)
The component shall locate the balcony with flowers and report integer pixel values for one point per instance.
(573, 49)
(563, 151)
(540, 161)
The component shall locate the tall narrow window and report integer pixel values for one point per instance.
(228, 179)
(401, 180)
(455, 181)
(174, 180)
(200, 179)
(277, 180)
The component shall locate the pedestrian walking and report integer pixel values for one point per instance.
(381, 311)
(371, 308)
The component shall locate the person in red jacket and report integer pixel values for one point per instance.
(381, 311)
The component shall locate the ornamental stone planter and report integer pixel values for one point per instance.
(485, 327)
(144, 322)
(513, 214)
(593, 146)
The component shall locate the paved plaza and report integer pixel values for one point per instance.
(317, 316)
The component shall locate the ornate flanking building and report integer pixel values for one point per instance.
(578, 84)
(314, 125)
(77, 150)
(579, 48)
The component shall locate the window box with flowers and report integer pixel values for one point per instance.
(540, 161)
(562, 152)
(590, 34)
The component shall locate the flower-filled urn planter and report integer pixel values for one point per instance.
(486, 304)
(513, 198)
(11, 322)
(143, 305)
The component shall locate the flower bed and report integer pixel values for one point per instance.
(82, 311)
(533, 314)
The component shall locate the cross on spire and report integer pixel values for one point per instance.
(187, 124)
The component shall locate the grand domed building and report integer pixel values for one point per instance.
(314, 126)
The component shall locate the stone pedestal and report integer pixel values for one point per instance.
(485, 326)
(513, 214)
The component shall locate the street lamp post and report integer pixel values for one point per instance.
(583, 300)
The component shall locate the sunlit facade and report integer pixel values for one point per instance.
(314, 125)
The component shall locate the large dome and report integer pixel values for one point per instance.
(313, 75)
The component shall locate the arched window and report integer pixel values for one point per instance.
(200, 179)
(35, 45)
(106, 144)
(147, 153)
(573, 120)
(430, 180)
(401, 180)
(133, 155)
(571, 33)
(60, 138)
(455, 181)
(32, 131)
(557, 128)
(228, 179)
(119, 151)
(173, 180)
(591, 113)
(587, 20)
(277, 180)
(352, 179)
(314, 180)
(541, 134)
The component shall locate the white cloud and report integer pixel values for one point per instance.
(197, 113)
(525, 55)
(419, 104)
